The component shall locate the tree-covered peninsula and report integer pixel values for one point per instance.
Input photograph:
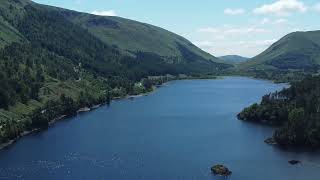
(296, 110)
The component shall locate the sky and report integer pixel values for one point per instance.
(220, 27)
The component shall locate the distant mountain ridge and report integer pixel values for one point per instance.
(295, 51)
(291, 58)
(236, 59)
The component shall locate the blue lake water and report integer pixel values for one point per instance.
(177, 132)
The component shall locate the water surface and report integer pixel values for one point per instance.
(177, 132)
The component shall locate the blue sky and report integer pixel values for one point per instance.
(220, 27)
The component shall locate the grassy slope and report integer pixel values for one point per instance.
(297, 50)
(234, 59)
(134, 36)
(8, 34)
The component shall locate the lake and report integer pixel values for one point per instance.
(175, 133)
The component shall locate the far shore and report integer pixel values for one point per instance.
(87, 109)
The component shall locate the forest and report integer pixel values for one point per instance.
(296, 110)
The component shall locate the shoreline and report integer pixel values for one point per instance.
(79, 111)
(13, 141)
(88, 109)
(50, 123)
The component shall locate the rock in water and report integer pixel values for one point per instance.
(294, 162)
(220, 170)
(270, 141)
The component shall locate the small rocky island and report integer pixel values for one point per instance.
(271, 141)
(294, 162)
(220, 170)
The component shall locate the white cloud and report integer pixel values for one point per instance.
(209, 30)
(228, 30)
(282, 8)
(252, 44)
(265, 42)
(265, 21)
(317, 7)
(280, 21)
(105, 13)
(255, 35)
(228, 39)
(247, 48)
(245, 30)
(247, 40)
(204, 43)
(229, 11)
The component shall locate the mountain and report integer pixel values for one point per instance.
(234, 59)
(133, 36)
(295, 51)
(130, 38)
(54, 61)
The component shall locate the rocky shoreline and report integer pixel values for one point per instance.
(271, 141)
(79, 111)
(52, 122)
(11, 142)
(83, 110)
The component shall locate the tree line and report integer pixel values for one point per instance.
(296, 110)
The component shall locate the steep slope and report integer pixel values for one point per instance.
(51, 65)
(234, 59)
(135, 37)
(8, 34)
(130, 44)
(295, 51)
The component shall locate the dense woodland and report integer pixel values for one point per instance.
(296, 110)
(280, 76)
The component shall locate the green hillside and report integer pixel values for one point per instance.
(134, 36)
(8, 34)
(234, 59)
(291, 58)
(54, 61)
